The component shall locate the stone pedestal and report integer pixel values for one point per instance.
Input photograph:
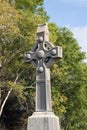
(43, 121)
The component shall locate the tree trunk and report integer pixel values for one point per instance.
(3, 104)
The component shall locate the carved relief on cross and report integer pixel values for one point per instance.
(42, 56)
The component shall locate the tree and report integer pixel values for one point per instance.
(17, 35)
(18, 25)
(69, 85)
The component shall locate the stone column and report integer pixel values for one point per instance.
(42, 56)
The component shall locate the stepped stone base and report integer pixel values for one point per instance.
(43, 121)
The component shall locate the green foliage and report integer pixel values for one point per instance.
(28, 4)
(53, 32)
(18, 25)
(17, 35)
(69, 79)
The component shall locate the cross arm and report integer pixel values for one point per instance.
(30, 57)
(53, 53)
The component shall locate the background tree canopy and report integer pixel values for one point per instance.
(18, 24)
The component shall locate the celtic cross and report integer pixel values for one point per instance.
(42, 56)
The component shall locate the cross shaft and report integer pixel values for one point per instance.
(42, 56)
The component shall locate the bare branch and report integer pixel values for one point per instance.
(3, 104)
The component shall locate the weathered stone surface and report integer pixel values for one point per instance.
(42, 56)
(43, 121)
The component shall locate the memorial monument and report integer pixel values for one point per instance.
(42, 56)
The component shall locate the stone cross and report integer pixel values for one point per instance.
(42, 56)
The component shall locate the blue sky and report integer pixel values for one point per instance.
(72, 14)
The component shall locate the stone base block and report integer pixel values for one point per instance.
(43, 121)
